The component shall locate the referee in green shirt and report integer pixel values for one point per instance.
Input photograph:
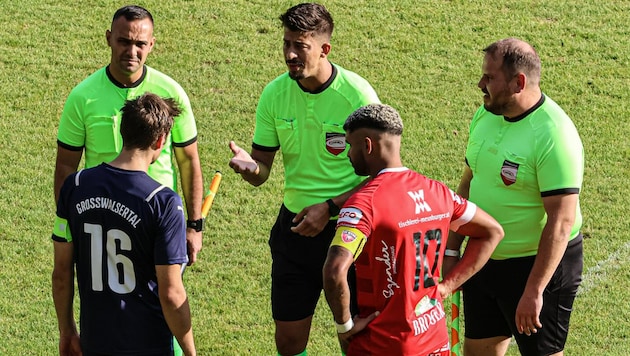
(90, 121)
(301, 113)
(525, 165)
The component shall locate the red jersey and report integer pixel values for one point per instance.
(397, 226)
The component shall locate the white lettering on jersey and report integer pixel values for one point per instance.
(418, 199)
(390, 268)
(423, 322)
(350, 216)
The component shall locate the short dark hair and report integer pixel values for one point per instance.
(379, 117)
(132, 12)
(145, 119)
(308, 17)
(518, 56)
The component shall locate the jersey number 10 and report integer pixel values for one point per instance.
(422, 260)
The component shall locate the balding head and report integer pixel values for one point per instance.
(518, 56)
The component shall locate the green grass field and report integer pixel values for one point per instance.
(423, 57)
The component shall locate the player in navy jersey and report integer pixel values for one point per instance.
(395, 230)
(126, 235)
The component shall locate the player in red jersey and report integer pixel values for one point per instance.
(395, 230)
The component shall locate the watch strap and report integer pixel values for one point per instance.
(333, 209)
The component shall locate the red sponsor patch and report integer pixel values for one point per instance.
(335, 142)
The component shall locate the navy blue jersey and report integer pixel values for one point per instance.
(122, 223)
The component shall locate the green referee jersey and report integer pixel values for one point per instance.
(308, 128)
(517, 162)
(91, 119)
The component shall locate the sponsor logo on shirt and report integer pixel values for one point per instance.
(508, 172)
(388, 257)
(348, 236)
(410, 222)
(335, 142)
(349, 216)
(433, 313)
(418, 199)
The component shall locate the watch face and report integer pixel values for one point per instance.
(196, 224)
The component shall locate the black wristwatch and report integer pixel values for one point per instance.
(195, 224)
(333, 209)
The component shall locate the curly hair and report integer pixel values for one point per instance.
(379, 117)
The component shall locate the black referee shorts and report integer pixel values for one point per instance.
(296, 270)
(492, 295)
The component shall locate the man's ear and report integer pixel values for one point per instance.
(369, 145)
(108, 35)
(325, 49)
(520, 82)
(151, 44)
(159, 143)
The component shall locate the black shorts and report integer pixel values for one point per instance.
(492, 295)
(296, 269)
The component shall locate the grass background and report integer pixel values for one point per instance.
(422, 57)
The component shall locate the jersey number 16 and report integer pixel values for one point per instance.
(120, 276)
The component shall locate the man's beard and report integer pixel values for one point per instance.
(296, 76)
(498, 106)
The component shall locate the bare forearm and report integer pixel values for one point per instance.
(338, 298)
(63, 296)
(192, 187)
(177, 314)
(478, 252)
(258, 176)
(335, 272)
(550, 251)
(560, 211)
(454, 241)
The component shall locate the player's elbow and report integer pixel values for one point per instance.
(62, 274)
(172, 297)
(495, 233)
(333, 274)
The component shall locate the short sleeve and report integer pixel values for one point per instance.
(265, 131)
(170, 243)
(184, 129)
(560, 160)
(71, 125)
